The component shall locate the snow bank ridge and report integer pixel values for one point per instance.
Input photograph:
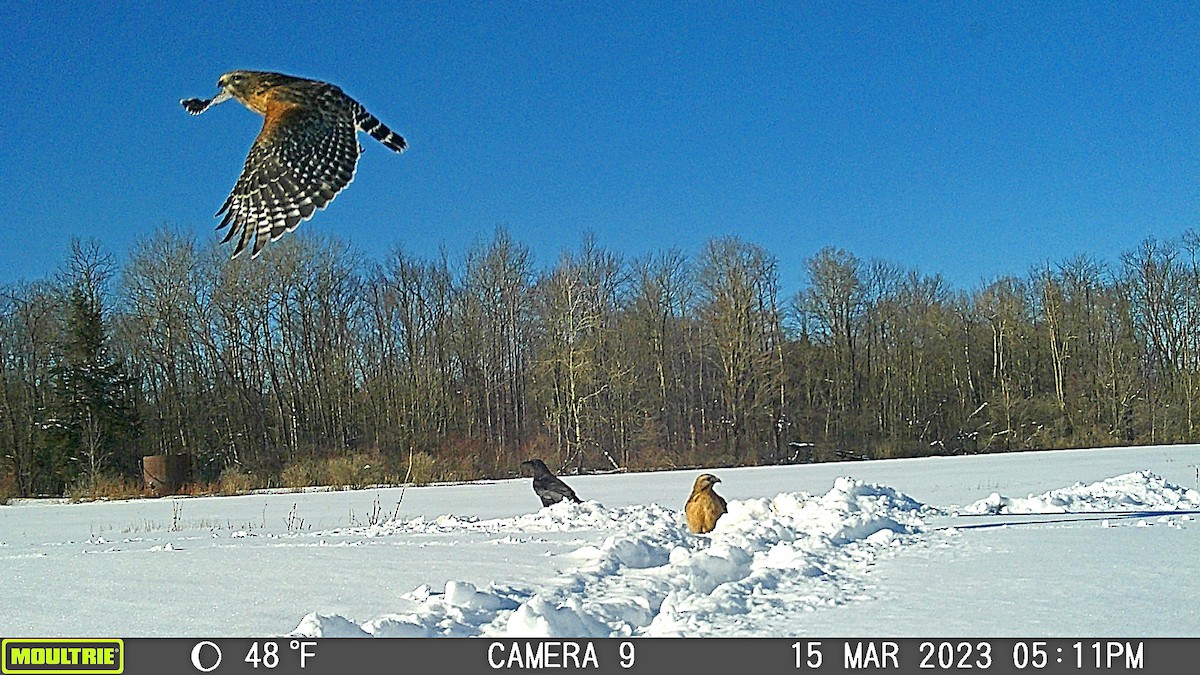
(1137, 491)
(652, 577)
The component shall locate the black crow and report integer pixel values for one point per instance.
(547, 486)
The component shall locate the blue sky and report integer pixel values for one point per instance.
(966, 139)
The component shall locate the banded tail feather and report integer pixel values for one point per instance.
(369, 124)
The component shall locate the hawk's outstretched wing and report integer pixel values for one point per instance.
(301, 159)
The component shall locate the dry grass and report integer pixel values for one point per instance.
(105, 487)
(345, 472)
(234, 481)
(8, 489)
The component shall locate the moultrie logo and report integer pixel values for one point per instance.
(59, 656)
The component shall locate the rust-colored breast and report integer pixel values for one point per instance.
(275, 113)
(704, 507)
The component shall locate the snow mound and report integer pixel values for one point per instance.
(318, 625)
(560, 517)
(1137, 491)
(652, 577)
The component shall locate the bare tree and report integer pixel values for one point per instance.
(834, 304)
(739, 287)
(30, 325)
(495, 320)
(579, 368)
(656, 329)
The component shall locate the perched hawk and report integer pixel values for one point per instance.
(548, 487)
(305, 154)
(704, 506)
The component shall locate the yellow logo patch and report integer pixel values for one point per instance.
(54, 656)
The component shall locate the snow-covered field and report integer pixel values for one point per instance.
(1068, 543)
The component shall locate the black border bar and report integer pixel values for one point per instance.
(731, 656)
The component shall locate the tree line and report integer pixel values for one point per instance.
(262, 368)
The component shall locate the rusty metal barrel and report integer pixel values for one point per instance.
(165, 474)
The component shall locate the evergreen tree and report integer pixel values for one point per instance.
(91, 416)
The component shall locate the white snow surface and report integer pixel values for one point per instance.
(1137, 491)
(1106, 543)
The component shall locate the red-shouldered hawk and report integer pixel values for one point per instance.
(704, 506)
(304, 156)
